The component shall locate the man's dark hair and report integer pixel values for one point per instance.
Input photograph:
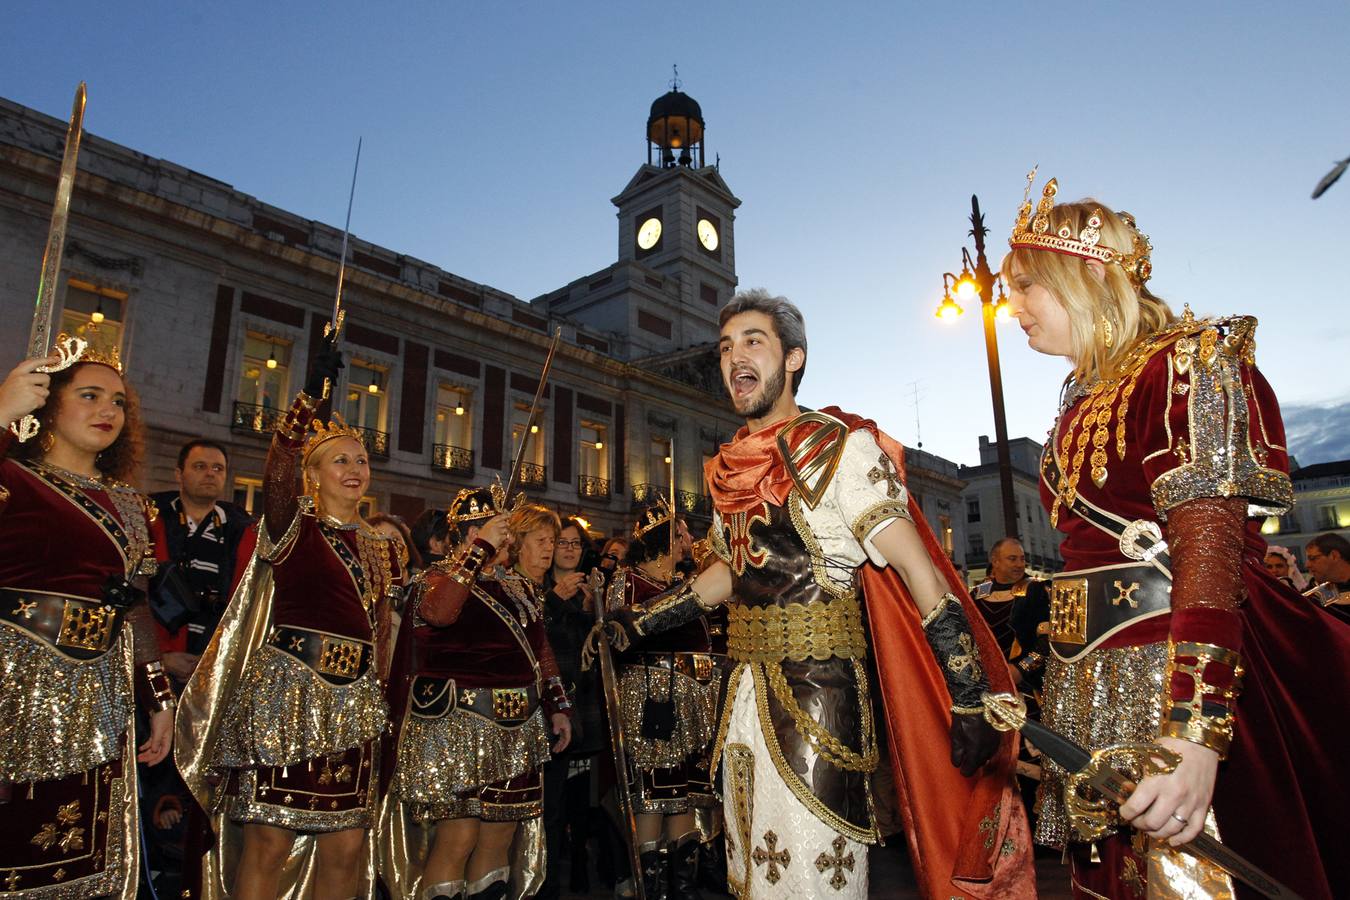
(186, 450)
(430, 524)
(1332, 542)
(788, 322)
(1001, 541)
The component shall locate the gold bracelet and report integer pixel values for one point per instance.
(1188, 719)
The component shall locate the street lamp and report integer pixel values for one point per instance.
(977, 280)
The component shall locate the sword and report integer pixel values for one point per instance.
(610, 683)
(1008, 712)
(514, 477)
(39, 338)
(334, 325)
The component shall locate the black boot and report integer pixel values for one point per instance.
(491, 886)
(653, 859)
(445, 890)
(712, 864)
(683, 862)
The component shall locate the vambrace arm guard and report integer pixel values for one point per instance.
(669, 609)
(153, 687)
(953, 645)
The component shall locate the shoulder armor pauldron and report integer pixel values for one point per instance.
(812, 445)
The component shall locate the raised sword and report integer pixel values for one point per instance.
(1096, 771)
(514, 478)
(334, 326)
(40, 337)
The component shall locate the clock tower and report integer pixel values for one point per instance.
(677, 265)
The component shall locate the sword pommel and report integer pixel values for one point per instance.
(1006, 712)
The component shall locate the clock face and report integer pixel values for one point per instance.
(707, 234)
(649, 232)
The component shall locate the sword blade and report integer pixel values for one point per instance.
(1117, 787)
(622, 786)
(514, 477)
(346, 234)
(39, 338)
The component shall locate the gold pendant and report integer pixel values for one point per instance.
(1099, 475)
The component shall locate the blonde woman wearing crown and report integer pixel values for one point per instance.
(77, 644)
(1167, 632)
(279, 735)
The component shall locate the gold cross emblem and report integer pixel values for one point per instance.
(838, 861)
(886, 472)
(773, 856)
(25, 608)
(958, 663)
(468, 697)
(428, 690)
(12, 881)
(297, 644)
(1125, 594)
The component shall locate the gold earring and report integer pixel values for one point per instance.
(46, 442)
(1108, 333)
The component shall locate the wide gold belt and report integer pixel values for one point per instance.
(796, 631)
(77, 627)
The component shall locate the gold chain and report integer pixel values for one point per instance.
(825, 743)
(373, 558)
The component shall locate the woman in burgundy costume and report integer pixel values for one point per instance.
(482, 692)
(77, 643)
(1167, 633)
(285, 712)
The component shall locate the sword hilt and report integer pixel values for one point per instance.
(69, 349)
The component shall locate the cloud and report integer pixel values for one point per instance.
(1317, 434)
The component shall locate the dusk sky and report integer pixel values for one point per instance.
(496, 132)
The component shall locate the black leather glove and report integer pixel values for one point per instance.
(974, 742)
(327, 363)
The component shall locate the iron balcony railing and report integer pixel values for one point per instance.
(592, 487)
(249, 418)
(377, 442)
(694, 504)
(531, 475)
(646, 493)
(452, 459)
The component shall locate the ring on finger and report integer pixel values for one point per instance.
(1183, 822)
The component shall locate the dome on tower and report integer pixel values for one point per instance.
(675, 125)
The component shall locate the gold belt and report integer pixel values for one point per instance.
(796, 631)
(77, 627)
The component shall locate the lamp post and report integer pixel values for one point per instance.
(976, 279)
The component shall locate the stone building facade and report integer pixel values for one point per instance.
(217, 299)
(982, 498)
(1321, 505)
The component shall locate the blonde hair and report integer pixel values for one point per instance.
(1097, 307)
(527, 518)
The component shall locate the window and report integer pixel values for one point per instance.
(534, 453)
(366, 395)
(594, 454)
(973, 510)
(265, 372)
(95, 314)
(454, 416)
(976, 542)
(658, 465)
(1333, 515)
(248, 493)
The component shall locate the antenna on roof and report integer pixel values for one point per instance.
(675, 77)
(918, 432)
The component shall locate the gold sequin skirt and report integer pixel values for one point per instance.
(328, 793)
(1108, 697)
(442, 758)
(695, 716)
(60, 715)
(285, 713)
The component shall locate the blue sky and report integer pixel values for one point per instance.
(495, 134)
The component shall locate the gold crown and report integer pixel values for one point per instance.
(73, 350)
(659, 513)
(1034, 232)
(469, 506)
(327, 431)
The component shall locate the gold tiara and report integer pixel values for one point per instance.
(75, 350)
(1033, 232)
(659, 513)
(327, 431)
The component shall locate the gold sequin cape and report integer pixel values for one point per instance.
(203, 710)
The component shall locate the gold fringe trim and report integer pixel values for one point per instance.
(60, 715)
(441, 758)
(284, 713)
(695, 716)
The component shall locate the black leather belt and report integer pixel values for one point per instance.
(435, 696)
(76, 627)
(1090, 605)
(698, 666)
(338, 660)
